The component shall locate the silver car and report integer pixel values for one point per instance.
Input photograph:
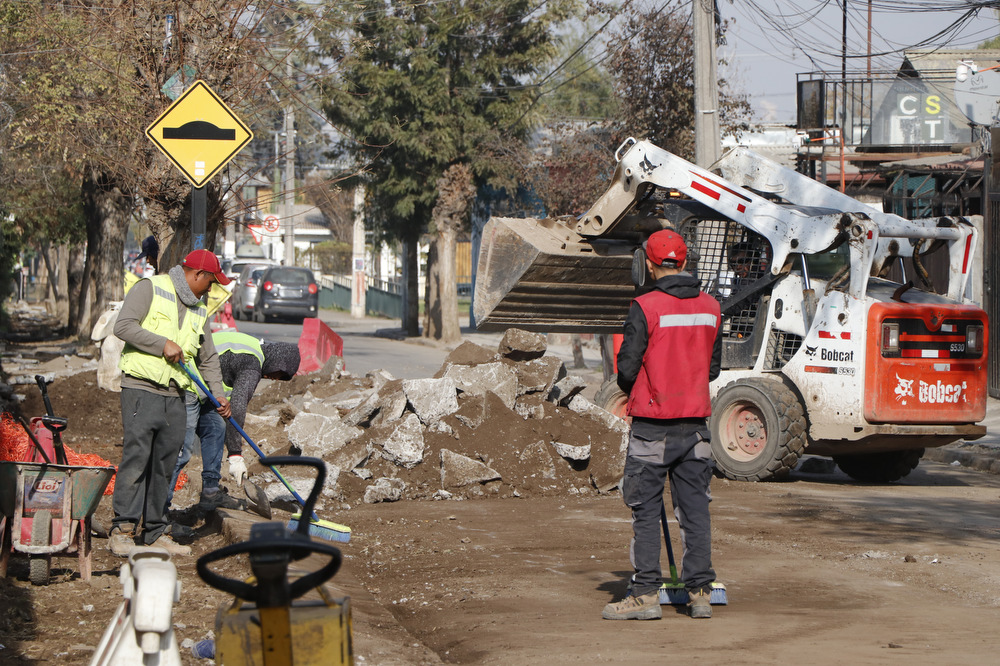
(245, 290)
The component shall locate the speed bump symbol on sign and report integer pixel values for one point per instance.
(199, 133)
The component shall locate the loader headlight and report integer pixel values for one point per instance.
(974, 339)
(890, 337)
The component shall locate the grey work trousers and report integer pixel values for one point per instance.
(154, 427)
(688, 465)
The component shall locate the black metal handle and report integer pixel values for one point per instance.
(40, 380)
(310, 503)
(294, 547)
(50, 424)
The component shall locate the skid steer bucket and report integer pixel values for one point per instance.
(540, 275)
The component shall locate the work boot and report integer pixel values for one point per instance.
(701, 604)
(121, 539)
(165, 542)
(219, 498)
(645, 607)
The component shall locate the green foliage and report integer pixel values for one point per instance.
(428, 85)
(334, 257)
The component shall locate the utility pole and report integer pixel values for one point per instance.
(289, 198)
(707, 139)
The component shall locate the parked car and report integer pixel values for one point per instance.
(245, 290)
(286, 291)
(239, 263)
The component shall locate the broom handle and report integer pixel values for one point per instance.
(232, 421)
(666, 539)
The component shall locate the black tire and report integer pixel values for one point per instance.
(39, 566)
(884, 467)
(257, 316)
(612, 398)
(758, 430)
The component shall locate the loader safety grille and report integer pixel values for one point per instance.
(781, 346)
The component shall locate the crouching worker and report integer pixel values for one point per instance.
(672, 349)
(244, 360)
(163, 321)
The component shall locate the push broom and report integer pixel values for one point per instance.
(324, 529)
(673, 591)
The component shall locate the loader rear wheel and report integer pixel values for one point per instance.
(884, 467)
(39, 566)
(612, 398)
(758, 429)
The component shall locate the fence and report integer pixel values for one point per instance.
(382, 297)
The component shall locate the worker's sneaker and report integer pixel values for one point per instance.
(701, 604)
(218, 499)
(645, 607)
(168, 544)
(121, 539)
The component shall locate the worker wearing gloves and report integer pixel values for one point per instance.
(163, 320)
(244, 360)
(672, 349)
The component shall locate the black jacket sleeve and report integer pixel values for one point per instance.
(242, 372)
(636, 338)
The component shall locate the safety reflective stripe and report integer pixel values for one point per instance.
(160, 291)
(697, 319)
(237, 347)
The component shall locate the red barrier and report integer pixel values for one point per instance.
(224, 318)
(316, 345)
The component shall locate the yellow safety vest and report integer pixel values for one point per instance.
(162, 320)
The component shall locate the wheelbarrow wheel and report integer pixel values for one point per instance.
(39, 566)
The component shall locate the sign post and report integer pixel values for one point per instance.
(200, 135)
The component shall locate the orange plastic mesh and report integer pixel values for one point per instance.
(15, 445)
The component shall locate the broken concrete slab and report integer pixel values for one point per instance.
(471, 409)
(571, 451)
(431, 398)
(467, 353)
(538, 457)
(366, 410)
(566, 388)
(405, 445)
(539, 374)
(521, 345)
(307, 427)
(384, 490)
(497, 377)
(458, 470)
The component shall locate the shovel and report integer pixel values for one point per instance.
(257, 499)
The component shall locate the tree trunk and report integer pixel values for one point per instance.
(455, 192)
(411, 320)
(108, 210)
(74, 281)
(168, 216)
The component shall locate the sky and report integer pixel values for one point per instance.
(770, 41)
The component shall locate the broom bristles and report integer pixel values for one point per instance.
(323, 529)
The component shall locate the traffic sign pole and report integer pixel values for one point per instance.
(199, 216)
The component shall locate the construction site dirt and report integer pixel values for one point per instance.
(515, 570)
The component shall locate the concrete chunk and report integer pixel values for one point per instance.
(537, 456)
(477, 379)
(367, 409)
(306, 428)
(431, 398)
(471, 410)
(566, 388)
(520, 345)
(571, 452)
(458, 470)
(384, 490)
(405, 445)
(539, 375)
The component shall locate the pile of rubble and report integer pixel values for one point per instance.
(503, 423)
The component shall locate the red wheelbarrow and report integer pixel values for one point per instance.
(48, 508)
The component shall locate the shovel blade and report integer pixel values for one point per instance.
(257, 499)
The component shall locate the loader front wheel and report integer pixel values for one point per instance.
(884, 467)
(758, 430)
(612, 398)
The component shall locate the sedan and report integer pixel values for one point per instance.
(286, 291)
(245, 290)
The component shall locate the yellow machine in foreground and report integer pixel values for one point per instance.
(265, 626)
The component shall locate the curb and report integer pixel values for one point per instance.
(967, 454)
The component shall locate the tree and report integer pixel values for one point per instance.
(91, 79)
(425, 87)
(653, 67)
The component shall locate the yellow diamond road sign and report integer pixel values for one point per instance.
(199, 133)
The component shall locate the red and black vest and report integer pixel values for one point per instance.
(673, 380)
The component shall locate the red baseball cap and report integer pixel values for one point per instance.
(665, 246)
(203, 260)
